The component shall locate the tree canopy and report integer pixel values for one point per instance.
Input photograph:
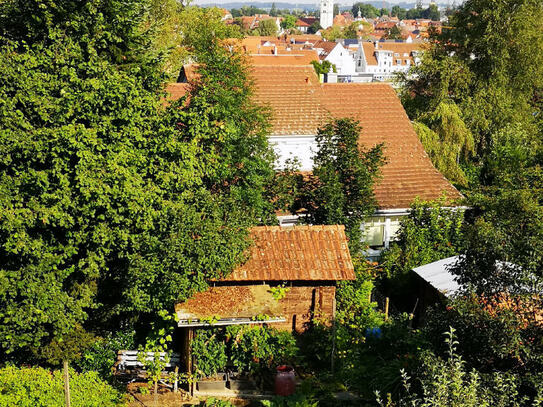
(115, 206)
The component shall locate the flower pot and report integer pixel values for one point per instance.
(284, 381)
(242, 384)
(239, 381)
(216, 383)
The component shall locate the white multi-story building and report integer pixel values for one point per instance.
(336, 54)
(384, 60)
(327, 13)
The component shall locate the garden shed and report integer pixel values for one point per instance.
(289, 278)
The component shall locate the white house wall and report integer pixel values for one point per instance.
(289, 147)
(343, 61)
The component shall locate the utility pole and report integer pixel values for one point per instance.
(66, 383)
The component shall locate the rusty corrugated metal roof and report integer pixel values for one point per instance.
(297, 253)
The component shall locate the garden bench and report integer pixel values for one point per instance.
(128, 364)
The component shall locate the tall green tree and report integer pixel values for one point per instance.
(366, 10)
(267, 27)
(480, 64)
(273, 10)
(341, 191)
(114, 206)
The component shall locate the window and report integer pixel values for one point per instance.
(405, 54)
(398, 62)
(374, 232)
(396, 54)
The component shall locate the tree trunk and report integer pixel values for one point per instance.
(66, 383)
(156, 393)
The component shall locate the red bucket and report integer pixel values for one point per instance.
(284, 381)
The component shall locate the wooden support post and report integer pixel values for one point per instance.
(66, 383)
(176, 379)
(190, 366)
(332, 355)
(386, 308)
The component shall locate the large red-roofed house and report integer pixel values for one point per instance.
(301, 104)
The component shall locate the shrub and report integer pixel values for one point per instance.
(448, 382)
(258, 349)
(38, 387)
(101, 356)
(209, 349)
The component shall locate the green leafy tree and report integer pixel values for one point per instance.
(332, 33)
(366, 10)
(431, 13)
(430, 232)
(113, 203)
(447, 139)
(267, 27)
(482, 68)
(273, 11)
(288, 22)
(394, 33)
(341, 191)
(399, 12)
(313, 28)
(323, 67)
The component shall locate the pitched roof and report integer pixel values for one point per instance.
(293, 93)
(326, 46)
(409, 173)
(297, 253)
(301, 23)
(300, 105)
(399, 47)
(293, 59)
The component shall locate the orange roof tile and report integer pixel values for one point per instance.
(399, 47)
(300, 105)
(284, 59)
(409, 173)
(297, 253)
(293, 92)
(326, 46)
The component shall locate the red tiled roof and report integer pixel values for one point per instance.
(285, 59)
(300, 105)
(399, 47)
(385, 25)
(301, 23)
(326, 46)
(293, 92)
(297, 253)
(409, 173)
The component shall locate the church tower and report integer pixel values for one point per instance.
(327, 13)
